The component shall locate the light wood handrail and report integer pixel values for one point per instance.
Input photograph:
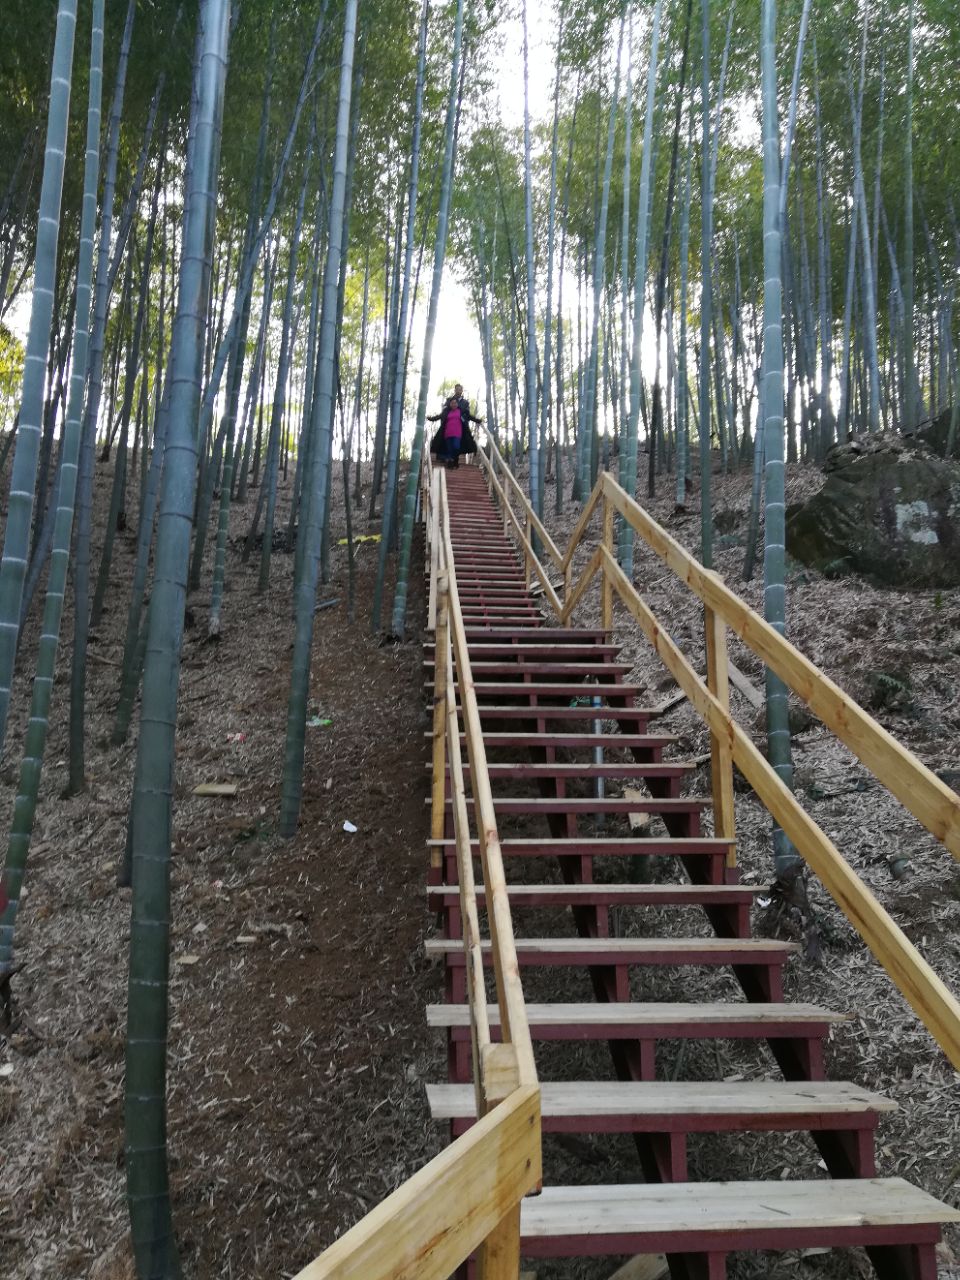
(467, 1199)
(916, 787)
(543, 533)
(513, 1015)
(437, 1218)
(929, 997)
(476, 986)
(921, 792)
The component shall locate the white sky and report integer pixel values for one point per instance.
(456, 350)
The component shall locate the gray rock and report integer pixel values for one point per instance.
(935, 432)
(889, 509)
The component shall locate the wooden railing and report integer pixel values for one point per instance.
(468, 1198)
(935, 805)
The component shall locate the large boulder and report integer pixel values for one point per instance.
(935, 432)
(889, 509)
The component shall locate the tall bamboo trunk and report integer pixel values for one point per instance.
(530, 363)
(787, 862)
(628, 456)
(148, 1193)
(81, 565)
(16, 543)
(440, 248)
(396, 400)
(24, 810)
(315, 482)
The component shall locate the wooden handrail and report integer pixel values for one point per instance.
(437, 1218)
(543, 533)
(929, 997)
(515, 1029)
(934, 804)
(476, 987)
(916, 787)
(467, 1199)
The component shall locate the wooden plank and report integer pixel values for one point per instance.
(576, 537)
(499, 1256)
(930, 998)
(636, 817)
(215, 789)
(632, 802)
(435, 1220)
(517, 769)
(729, 1208)
(640, 1014)
(498, 1067)
(676, 1099)
(606, 591)
(597, 846)
(931, 801)
(613, 894)
(632, 946)
(573, 597)
(531, 561)
(750, 691)
(550, 738)
(645, 1266)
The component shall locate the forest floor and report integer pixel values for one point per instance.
(298, 1044)
(298, 981)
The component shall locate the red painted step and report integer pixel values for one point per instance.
(576, 741)
(586, 805)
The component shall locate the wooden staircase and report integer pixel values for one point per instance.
(547, 698)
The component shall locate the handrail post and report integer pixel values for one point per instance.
(527, 567)
(499, 1255)
(498, 1258)
(721, 746)
(606, 586)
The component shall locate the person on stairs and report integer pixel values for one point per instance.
(465, 411)
(450, 435)
(467, 444)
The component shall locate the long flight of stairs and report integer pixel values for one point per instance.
(543, 693)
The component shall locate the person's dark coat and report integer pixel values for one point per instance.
(467, 442)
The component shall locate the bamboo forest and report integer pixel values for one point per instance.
(480, 639)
